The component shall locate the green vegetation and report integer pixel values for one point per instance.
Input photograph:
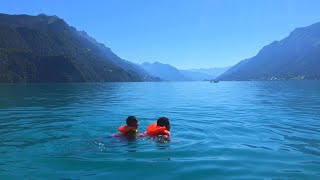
(46, 49)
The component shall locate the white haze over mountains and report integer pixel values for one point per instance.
(169, 73)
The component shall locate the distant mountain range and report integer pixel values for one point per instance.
(167, 72)
(204, 74)
(295, 57)
(46, 49)
(211, 71)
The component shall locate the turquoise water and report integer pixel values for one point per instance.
(236, 130)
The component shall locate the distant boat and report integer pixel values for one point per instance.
(214, 81)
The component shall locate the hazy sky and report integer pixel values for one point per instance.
(183, 33)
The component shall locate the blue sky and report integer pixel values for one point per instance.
(183, 33)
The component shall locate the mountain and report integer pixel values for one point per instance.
(164, 71)
(203, 74)
(195, 76)
(169, 73)
(46, 49)
(295, 57)
(127, 65)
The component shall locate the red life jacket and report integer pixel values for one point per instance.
(154, 130)
(124, 129)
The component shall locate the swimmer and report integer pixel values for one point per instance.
(159, 128)
(129, 130)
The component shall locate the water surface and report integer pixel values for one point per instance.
(235, 130)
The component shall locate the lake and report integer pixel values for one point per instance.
(229, 130)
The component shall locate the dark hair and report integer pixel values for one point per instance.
(163, 121)
(132, 121)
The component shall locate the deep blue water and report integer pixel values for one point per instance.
(236, 130)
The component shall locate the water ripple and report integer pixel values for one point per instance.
(229, 130)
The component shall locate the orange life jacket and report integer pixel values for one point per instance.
(124, 129)
(154, 130)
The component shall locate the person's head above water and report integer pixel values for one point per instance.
(132, 121)
(130, 129)
(163, 121)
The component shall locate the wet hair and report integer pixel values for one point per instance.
(132, 121)
(163, 121)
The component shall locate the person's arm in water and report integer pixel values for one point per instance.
(143, 134)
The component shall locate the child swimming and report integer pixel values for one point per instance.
(159, 128)
(129, 130)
